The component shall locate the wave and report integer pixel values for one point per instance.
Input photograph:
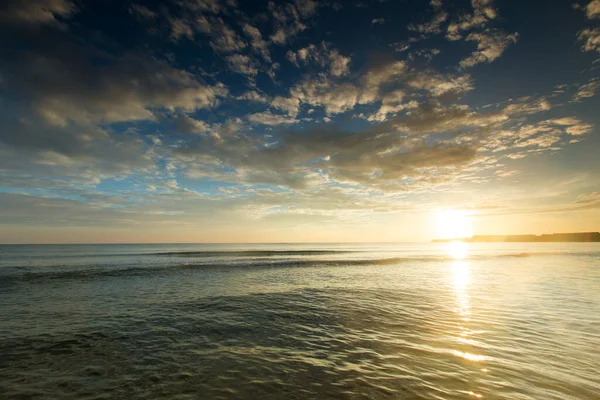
(283, 253)
(353, 262)
(251, 253)
(48, 275)
(107, 272)
(86, 272)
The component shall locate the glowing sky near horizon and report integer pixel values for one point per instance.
(309, 121)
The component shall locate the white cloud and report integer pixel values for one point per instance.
(322, 55)
(290, 18)
(257, 42)
(434, 26)
(587, 90)
(528, 105)
(223, 38)
(242, 64)
(428, 140)
(542, 136)
(437, 84)
(333, 97)
(180, 28)
(253, 95)
(268, 118)
(403, 45)
(483, 12)
(591, 39)
(592, 10)
(124, 89)
(575, 127)
(379, 83)
(590, 36)
(490, 45)
(290, 105)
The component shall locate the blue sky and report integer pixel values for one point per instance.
(263, 121)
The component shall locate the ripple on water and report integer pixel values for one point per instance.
(423, 330)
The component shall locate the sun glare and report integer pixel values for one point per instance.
(453, 224)
(457, 250)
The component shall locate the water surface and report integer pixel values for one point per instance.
(398, 321)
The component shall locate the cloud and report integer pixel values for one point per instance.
(333, 97)
(591, 39)
(370, 82)
(590, 36)
(322, 55)
(107, 135)
(207, 6)
(438, 85)
(575, 127)
(548, 134)
(426, 54)
(177, 124)
(257, 42)
(435, 25)
(242, 64)
(56, 79)
(222, 37)
(393, 155)
(188, 18)
(180, 28)
(587, 90)
(106, 211)
(65, 87)
(381, 82)
(528, 105)
(289, 104)
(143, 13)
(65, 94)
(348, 158)
(186, 124)
(490, 45)
(393, 102)
(34, 12)
(289, 18)
(588, 201)
(253, 96)
(483, 13)
(592, 10)
(34, 152)
(268, 118)
(404, 45)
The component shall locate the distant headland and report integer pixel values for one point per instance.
(547, 237)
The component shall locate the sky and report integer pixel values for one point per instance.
(298, 121)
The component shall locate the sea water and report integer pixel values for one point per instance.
(301, 321)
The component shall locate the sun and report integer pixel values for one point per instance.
(453, 224)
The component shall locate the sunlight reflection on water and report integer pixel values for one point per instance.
(460, 278)
(457, 250)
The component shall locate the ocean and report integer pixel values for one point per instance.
(300, 321)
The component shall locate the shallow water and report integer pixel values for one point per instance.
(406, 321)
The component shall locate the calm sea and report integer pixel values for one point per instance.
(278, 321)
